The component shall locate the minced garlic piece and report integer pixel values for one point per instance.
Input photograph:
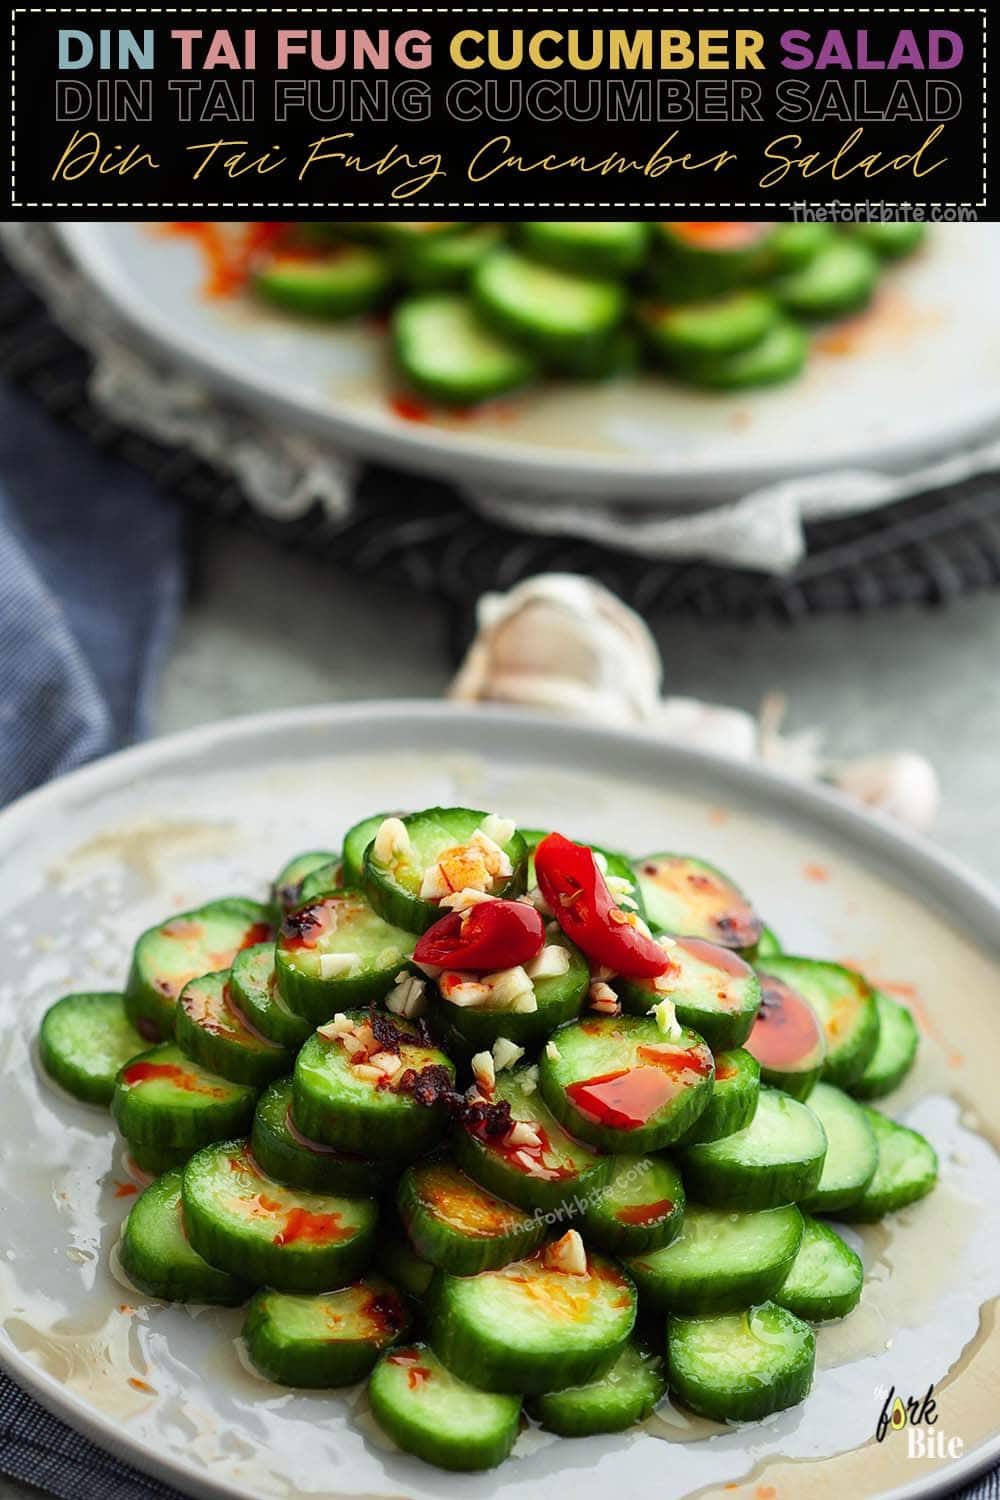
(477, 865)
(568, 1255)
(466, 899)
(408, 996)
(550, 963)
(484, 1072)
(603, 997)
(552, 1051)
(522, 1134)
(337, 965)
(391, 841)
(666, 1020)
(500, 830)
(505, 1053)
(340, 1026)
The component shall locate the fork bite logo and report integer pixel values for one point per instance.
(917, 1416)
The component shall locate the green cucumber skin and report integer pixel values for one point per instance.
(479, 1442)
(711, 329)
(907, 1170)
(714, 1174)
(480, 364)
(838, 280)
(322, 881)
(895, 1054)
(517, 317)
(848, 1054)
(560, 999)
(723, 1026)
(601, 1221)
(155, 1160)
(739, 927)
(253, 1061)
(324, 1363)
(356, 841)
(768, 945)
(91, 1081)
(286, 892)
(733, 1103)
(614, 249)
(254, 987)
(228, 1107)
(445, 262)
(826, 1278)
(665, 1286)
(800, 1073)
(492, 1173)
(852, 1154)
(444, 1246)
(156, 1257)
(626, 1394)
(889, 239)
(317, 1000)
(293, 1162)
(397, 1260)
(779, 356)
(352, 281)
(754, 1394)
(688, 271)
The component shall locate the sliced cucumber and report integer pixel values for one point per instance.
(253, 983)
(779, 356)
(620, 1083)
(155, 1160)
(741, 1367)
(702, 259)
(793, 245)
(734, 1098)
(826, 1277)
(340, 282)
(595, 247)
(894, 1056)
(248, 1224)
(777, 1158)
(439, 838)
(335, 952)
(434, 1415)
(193, 943)
(293, 1159)
(907, 1170)
(714, 992)
(528, 1327)
(702, 330)
(559, 315)
(769, 943)
(622, 1396)
(157, 1256)
(84, 1041)
(323, 880)
(164, 1099)
(327, 1340)
(336, 1103)
(686, 896)
(889, 239)
(287, 888)
(721, 1261)
(640, 1208)
(357, 839)
(787, 1039)
(560, 998)
(445, 351)
(845, 1004)
(839, 279)
(397, 1259)
(443, 261)
(558, 1171)
(214, 1032)
(454, 1223)
(851, 1153)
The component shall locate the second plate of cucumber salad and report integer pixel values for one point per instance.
(470, 1144)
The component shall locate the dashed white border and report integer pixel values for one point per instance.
(437, 10)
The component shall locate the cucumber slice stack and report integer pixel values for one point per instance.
(514, 1170)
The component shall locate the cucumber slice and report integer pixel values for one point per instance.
(838, 280)
(851, 1153)
(794, 245)
(826, 1277)
(907, 1170)
(777, 1158)
(894, 1056)
(323, 880)
(287, 887)
(559, 315)
(328, 1340)
(398, 1260)
(558, 1172)
(396, 234)
(769, 943)
(889, 239)
(620, 1083)
(787, 1038)
(686, 896)
(84, 1041)
(439, 838)
(594, 247)
(779, 356)
(248, 1224)
(335, 952)
(293, 1159)
(169, 956)
(434, 1415)
(212, 1031)
(339, 282)
(560, 998)
(714, 992)
(845, 1004)
(157, 1256)
(356, 841)
(702, 259)
(164, 1099)
(640, 1208)
(444, 261)
(734, 1098)
(336, 1103)
(254, 987)
(720, 1262)
(702, 330)
(530, 1328)
(742, 1366)
(446, 352)
(457, 1225)
(624, 1395)
(155, 1160)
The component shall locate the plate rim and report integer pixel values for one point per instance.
(972, 900)
(454, 456)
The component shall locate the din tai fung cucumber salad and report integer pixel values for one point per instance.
(477, 311)
(513, 1128)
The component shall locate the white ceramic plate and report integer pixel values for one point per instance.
(86, 863)
(909, 379)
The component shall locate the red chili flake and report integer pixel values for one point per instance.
(259, 932)
(645, 1213)
(302, 928)
(141, 1385)
(384, 1030)
(125, 1189)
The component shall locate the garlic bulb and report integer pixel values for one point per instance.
(900, 783)
(707, 726)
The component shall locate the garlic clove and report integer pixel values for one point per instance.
(899, 782)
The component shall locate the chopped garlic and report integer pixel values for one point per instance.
(537, 900)
(465, 899)
(524, 1160)
(433, 886)
(601, 971)
(386, 1062)
(337, 965)
(568, 1255)
(366, 1071)
(387, 958)
(507, 985)
(505, 1053)
(666, 942)
(338, 1027)
(521, 1133)
(552, 1051)
(408, 997)
(390, 841)
(529, 1079)
(483, 1071)
(602, 994)
(666, 1019)
(551, 962)
(601, 861)
(500, 830)
(525, 1004)
(621, 888)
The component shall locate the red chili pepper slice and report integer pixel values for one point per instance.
(574, 888)
(490, 936)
